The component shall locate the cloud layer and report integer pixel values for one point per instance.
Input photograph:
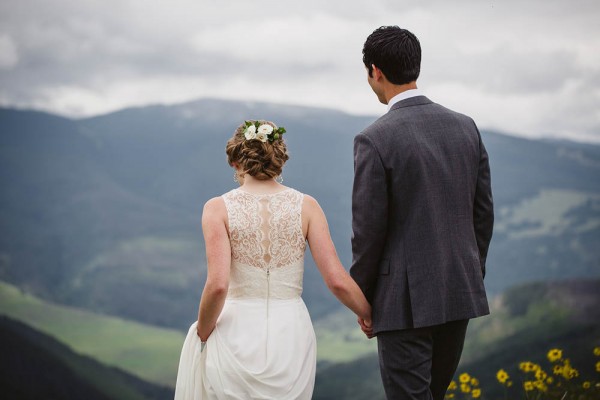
(531, 68)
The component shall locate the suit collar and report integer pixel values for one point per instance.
(411, 101)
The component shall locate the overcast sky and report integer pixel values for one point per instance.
(529, 68)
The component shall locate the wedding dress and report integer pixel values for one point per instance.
(264, 344)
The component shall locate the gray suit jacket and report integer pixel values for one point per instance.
(422, 216)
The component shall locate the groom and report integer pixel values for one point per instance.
(422, 218)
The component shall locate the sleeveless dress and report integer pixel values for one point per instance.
(264, 344)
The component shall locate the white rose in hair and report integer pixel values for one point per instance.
(262, 136)
(266, 129)
(250, 132)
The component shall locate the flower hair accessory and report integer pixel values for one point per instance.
(262, 132)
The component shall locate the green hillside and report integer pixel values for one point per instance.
(35, 366)
(339, 338)
(148, 352)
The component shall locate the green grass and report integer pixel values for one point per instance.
(547, 214)
(532, 312)
(168, 261)
(148, 352)
(339, 338)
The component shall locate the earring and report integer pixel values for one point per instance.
(235, 177)
(279, 179)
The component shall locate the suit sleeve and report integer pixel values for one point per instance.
(483, 209)
(369, 214)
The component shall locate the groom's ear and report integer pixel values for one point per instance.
(377, 74)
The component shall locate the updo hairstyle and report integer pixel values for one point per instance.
(261, 160)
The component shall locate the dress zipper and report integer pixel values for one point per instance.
(268, 289)
(268, 296)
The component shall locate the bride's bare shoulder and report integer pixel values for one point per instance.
(214, 207)
(310, 205)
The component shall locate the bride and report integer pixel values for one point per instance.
(254, 338)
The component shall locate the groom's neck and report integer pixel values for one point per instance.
(391, 90)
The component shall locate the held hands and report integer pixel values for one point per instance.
(366, 325)
(365, 322)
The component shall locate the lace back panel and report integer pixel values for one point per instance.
(267, 244)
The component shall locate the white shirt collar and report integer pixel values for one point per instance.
(407, 94)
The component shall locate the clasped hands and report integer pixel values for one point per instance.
(366, 325)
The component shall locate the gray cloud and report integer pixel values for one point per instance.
(82, 58)
(508, 70)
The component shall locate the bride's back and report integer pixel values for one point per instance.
(267, 244)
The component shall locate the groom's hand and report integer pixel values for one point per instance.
(366, 326)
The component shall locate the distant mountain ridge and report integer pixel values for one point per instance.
(104, 212)
(35, 366)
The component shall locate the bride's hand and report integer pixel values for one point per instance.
(203, 338)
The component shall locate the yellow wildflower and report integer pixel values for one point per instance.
(540, 375)
(509, 383)
(597, 351)
(522, 365)
(549, 380)
(586, 385)
(527, 366)
(502, 376)
(465, 388)
(450, 396)
(568, 371)
(476, 393)
(528, 386)
(598, 366)
(573, 373)
(452, 385)
(554, 355)
(558, 370)
(474, 382)
(464, 377)
(535, 367)
(539, 385)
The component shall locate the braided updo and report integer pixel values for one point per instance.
(262, 160)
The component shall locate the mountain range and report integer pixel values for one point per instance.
(104, 212)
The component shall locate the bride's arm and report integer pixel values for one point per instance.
(323, 251)
(218, 255)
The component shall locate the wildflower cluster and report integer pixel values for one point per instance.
(538, 379)
(469, 387)
(557, 382)
(597, 354)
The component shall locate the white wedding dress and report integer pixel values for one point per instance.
(264, 344)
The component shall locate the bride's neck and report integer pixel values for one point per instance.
(252, 184)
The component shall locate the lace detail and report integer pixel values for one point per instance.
(267, 244)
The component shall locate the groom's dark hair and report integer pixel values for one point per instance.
(396, 52)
